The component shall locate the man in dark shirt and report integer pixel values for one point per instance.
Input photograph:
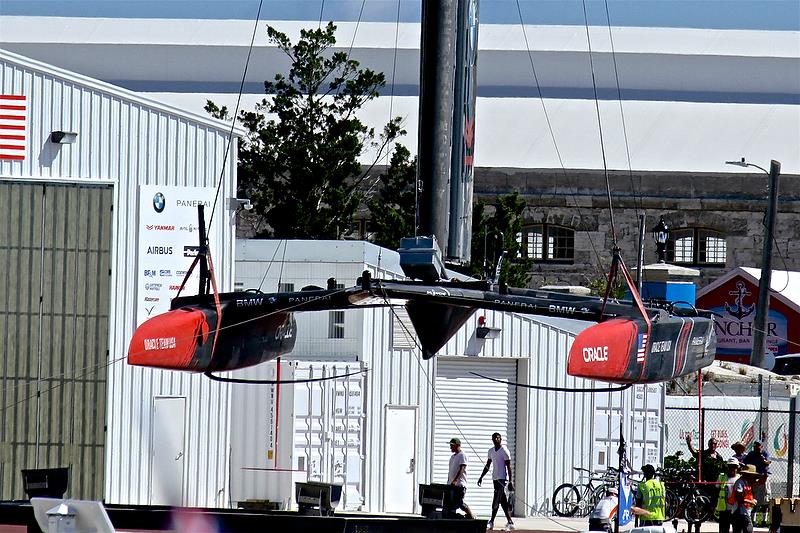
(711, 451)
(759, 458)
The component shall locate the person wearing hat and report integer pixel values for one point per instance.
(726, 482)
(457, 473)
(650, 499)
(738, 451)
(742, 499)
(759, 458)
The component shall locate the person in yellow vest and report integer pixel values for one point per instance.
(650, 499)
(724, 500)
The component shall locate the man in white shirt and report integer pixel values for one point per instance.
(499, 459)
(457, 475)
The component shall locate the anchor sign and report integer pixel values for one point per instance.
(740, 310)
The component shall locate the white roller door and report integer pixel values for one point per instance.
(472, 408)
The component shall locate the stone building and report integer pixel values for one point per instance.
(715, 219)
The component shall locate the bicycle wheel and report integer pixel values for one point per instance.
(586, 500)
(698, 508)
(671, 502)
(566, 499)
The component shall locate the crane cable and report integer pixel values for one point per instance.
(600, 129)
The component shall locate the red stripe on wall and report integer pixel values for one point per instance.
(12, 156)
(10, 107)
(7, 137)
(11, 127)
(12, 97)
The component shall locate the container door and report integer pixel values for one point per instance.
(471, 409)
(168, 448)
(399, 460)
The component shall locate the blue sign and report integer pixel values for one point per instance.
(625, 499)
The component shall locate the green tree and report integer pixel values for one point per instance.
(392, 209)
(486, 229)
(298, 162)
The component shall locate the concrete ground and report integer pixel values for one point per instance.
(554, 524)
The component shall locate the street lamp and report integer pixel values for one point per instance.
(757, 356)
(661, 234)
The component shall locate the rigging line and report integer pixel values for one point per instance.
(321, 10)
(394, 65)
(355, 31)
(622, 114)
(94, 369)
(599, 262)
(442, 404)
(554, 389)
(241, 381)
(283, 260)
(269, 265)
(600, 128)
(233, 117)
(416, 352)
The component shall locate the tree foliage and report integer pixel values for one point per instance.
(393, 207)
(298, 162)
(505, 222)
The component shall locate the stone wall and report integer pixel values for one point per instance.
(733, 204)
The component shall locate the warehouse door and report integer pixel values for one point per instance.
(471, 409)
(55, 243)
(399, 459)
(167, 448)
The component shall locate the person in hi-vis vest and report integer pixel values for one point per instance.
(650, 499)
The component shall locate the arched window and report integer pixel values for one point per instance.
(696, 246)
(546, 243)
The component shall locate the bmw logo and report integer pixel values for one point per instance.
(159, 202)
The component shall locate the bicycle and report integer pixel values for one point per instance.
(683, 498)
(579, 499)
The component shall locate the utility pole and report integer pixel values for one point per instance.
(762, 311)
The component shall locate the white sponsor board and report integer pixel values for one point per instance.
(168, 243)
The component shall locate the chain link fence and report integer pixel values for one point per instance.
(742, 420)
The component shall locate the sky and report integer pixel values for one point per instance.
(712, 14)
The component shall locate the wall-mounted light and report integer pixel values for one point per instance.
(63, 137)
(236, 203)
(486, 332)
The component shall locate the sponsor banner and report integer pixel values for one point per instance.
(168, 243)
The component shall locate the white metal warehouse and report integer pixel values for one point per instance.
(76, 192)
(408, 409)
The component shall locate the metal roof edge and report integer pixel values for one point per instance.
(93, 83)
(746, 273)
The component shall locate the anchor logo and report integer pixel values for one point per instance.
(740, 310)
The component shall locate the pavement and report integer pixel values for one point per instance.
(539, 524)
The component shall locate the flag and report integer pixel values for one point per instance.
(13, 126)
(625, 499)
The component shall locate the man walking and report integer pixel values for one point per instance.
(457, 474)
(499, 459)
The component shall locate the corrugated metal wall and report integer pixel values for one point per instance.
(395, 376)
(128, 141)
(55, 243)
(472, 409)
(399, 378)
